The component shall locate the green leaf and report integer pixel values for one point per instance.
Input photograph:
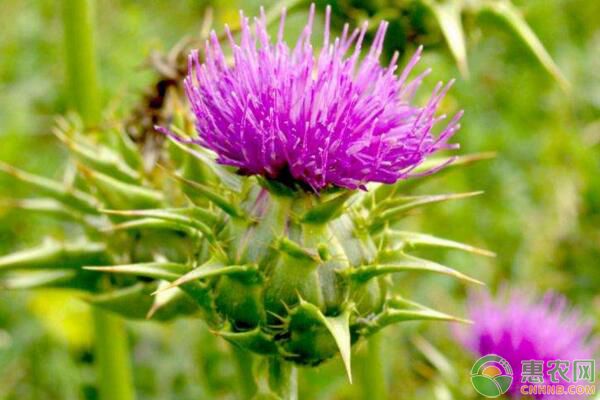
(119, 194)
(170, 304)
(511, 15)
(169, 272)
(127, 148)
(254, 340)
(211, 194)
(274, 12)
(454, 161)
(100, 158)
(47, 207)
(69, 196)
(338, 326)
(212, 268)
(401, 262)
(227, 178)
(399, 309)
(448, 15)
(436, 358)
(340, 330)
(137, 302)
(294, 250)
(56, 255)
(152, 223)
(379, 192)
(392, 316)
(179, 218)
(130, 302)
(174, 216)
(37, 279)
(390, 211)
(421, 239)
(326, 211)
(156, 270)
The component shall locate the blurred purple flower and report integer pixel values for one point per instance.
(326, 119)
(519, 327)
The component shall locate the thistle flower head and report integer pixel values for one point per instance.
(519, 327)
(320, 119)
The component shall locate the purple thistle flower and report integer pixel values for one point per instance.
(322, 120)
(518, 327)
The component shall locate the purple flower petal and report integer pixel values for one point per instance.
(328, 119)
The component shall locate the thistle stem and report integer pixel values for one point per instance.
(244, 364)
(78, 24)
(283, 379)
(115, 380)
(373, 384)
(112, 357)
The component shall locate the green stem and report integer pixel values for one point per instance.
(115, 380)
(283, 379)
(244, 368)
(373, 384)
(78, 22)
(112, 357)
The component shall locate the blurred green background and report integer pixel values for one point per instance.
(540, 212)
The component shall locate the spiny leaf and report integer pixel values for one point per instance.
(162, 297)
(47, 207)
(229, 179)
(212, 268)
(339, 327)
(131, 302)
(56, 255)
(404, 263)
(276, 189)
(153, 223)
(294, 250)
(511, 15)
(156, 270)
(174, 216)
(448, 15)
(168, 271)
(173, 302)
(456, 161)
(357, 244)
(436, 358)
(274, 12)
(127, 148)
(399, 205)
(254, 340)
(119, 194)
(421, 239)
(136, 302)
(399, 309)
(379, 192)
(326, 211)
(400, 303)
(390, 211)
(340, 330)
(211, 195)
(68, 196)
(100, 158)
(36, 279)
(393, 316)
(187, 216)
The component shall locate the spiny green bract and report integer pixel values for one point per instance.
(271, 268)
